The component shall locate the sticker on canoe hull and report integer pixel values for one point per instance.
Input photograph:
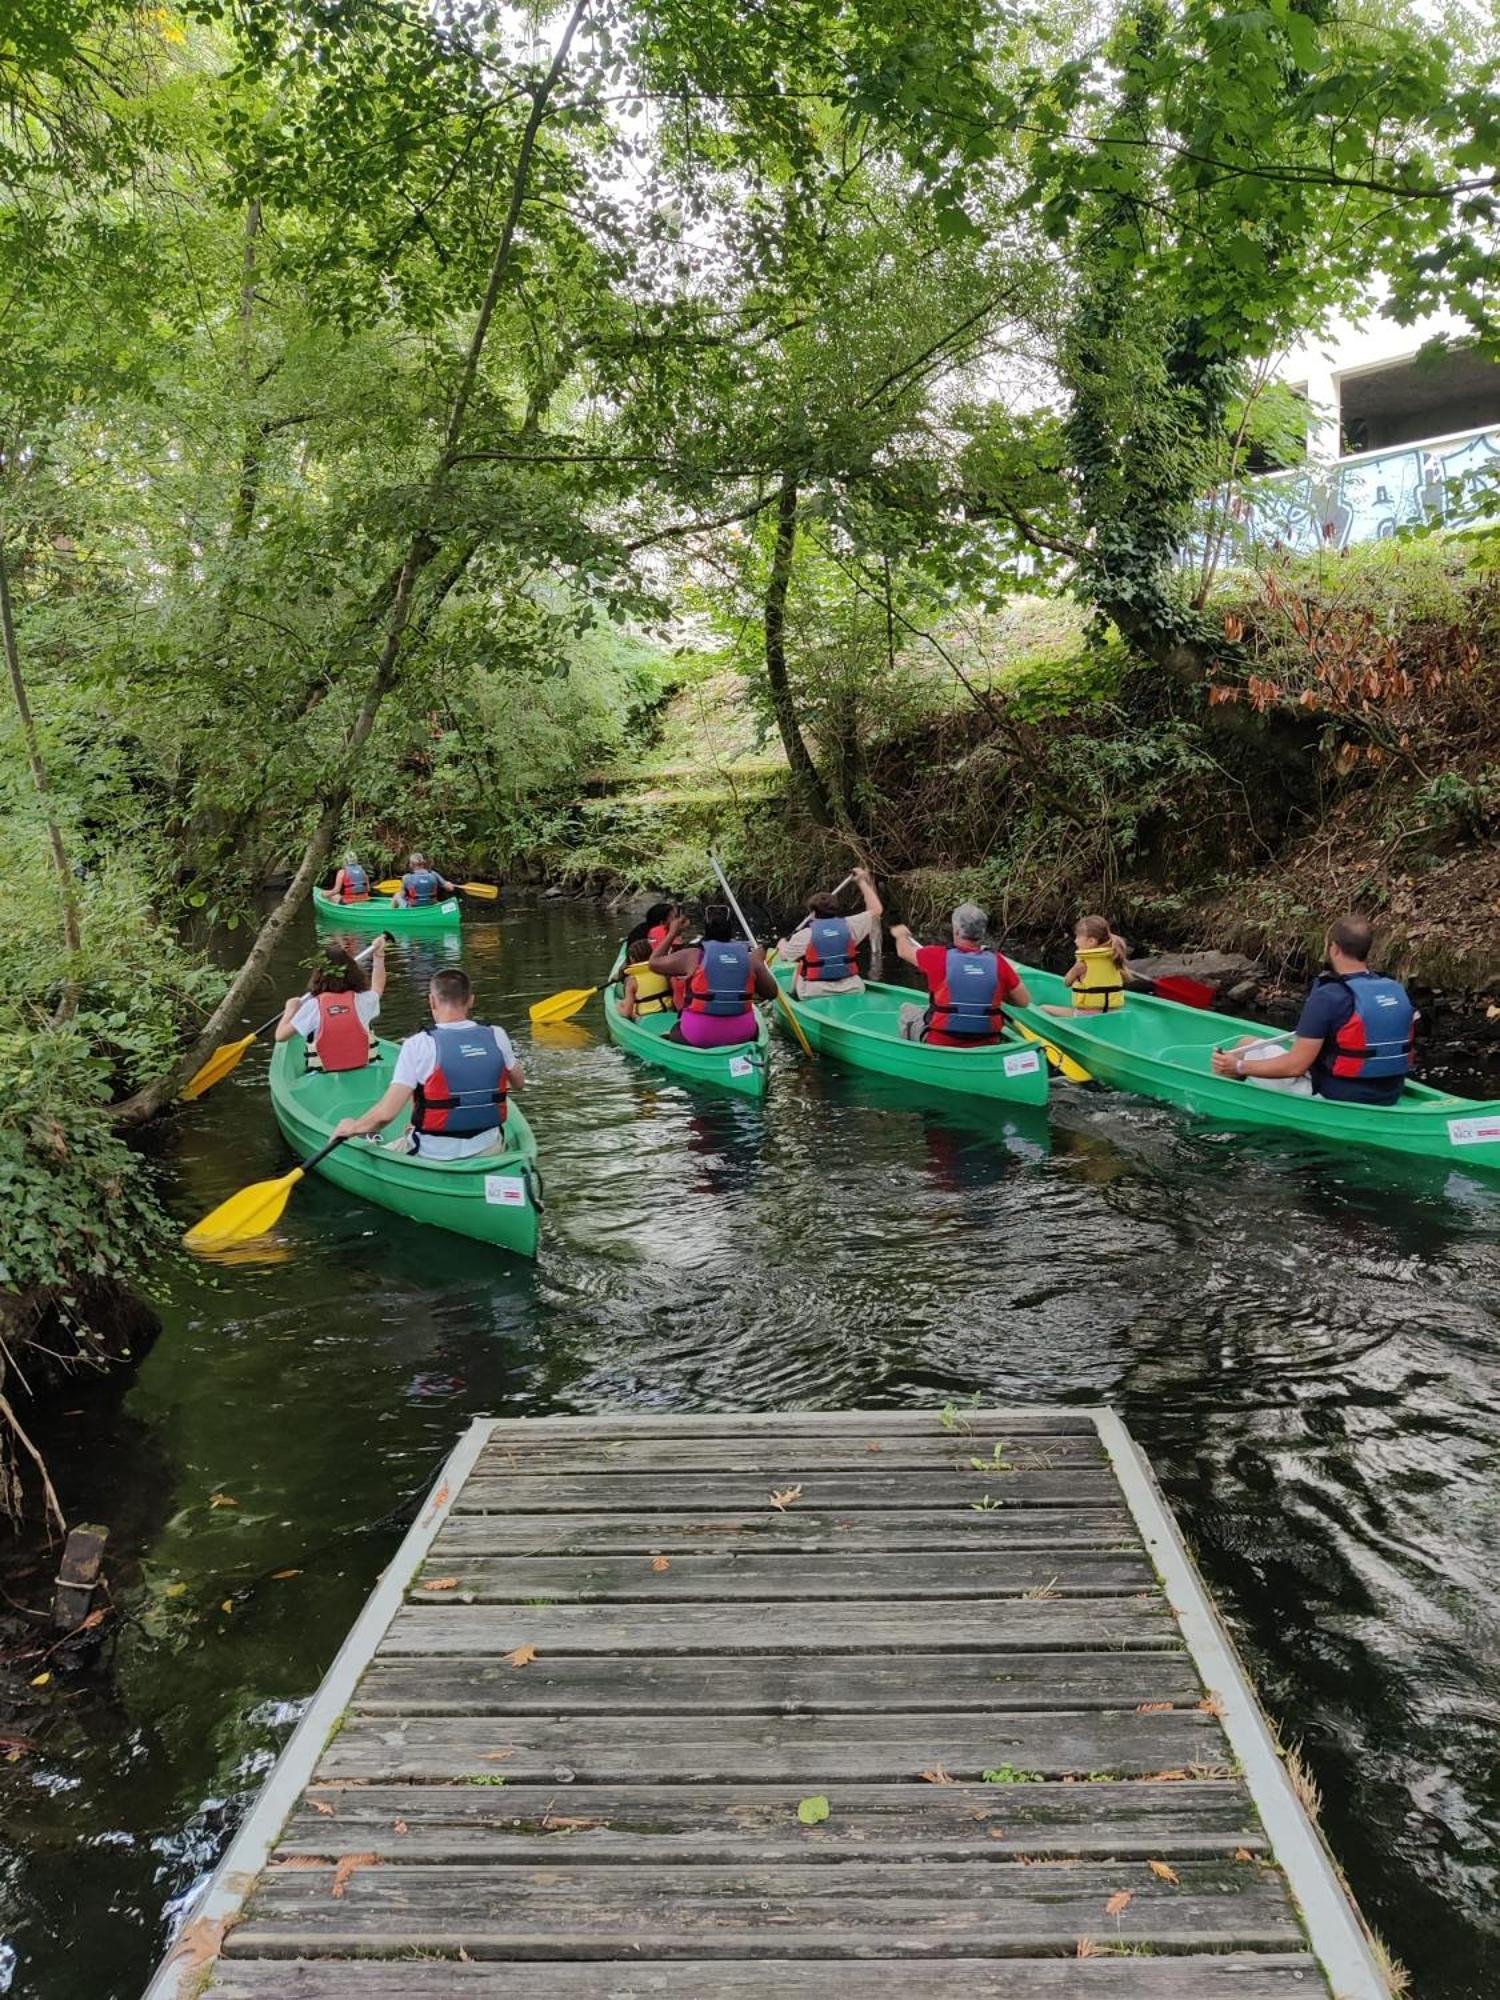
(741, 1066)
(1474, 1131)
(505, 1191)
(1026, 1063)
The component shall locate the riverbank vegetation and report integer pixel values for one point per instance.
(406, 413)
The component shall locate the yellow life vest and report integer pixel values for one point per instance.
(1102, 987)
(653, 993)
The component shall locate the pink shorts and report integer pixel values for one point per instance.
(717, 1031)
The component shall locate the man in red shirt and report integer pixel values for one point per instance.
(969, 985)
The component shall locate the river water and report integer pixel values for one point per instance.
(1306, 1347)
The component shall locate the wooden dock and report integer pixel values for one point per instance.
(902, 1703)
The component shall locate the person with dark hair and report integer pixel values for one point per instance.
(420, 884)
(644, 991)
(968, 984)
(456, 1076)
(724, 976)
(825, 949)
(340, 1005)
(1353, 1039)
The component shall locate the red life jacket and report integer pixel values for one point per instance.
(724, 983)
(354, 883)
(966, 1001)
(342, 1040)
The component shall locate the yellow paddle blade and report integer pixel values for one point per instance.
(387, 888)
(560, 1006)
(485, 889)
(249, 1213)
(224, 1058)
(1073, 1072)
(797, 1029)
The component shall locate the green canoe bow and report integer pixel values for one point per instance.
(1159, 1049)
(864, 1030)
(379, 913)
(741, 1067)
(492, 1198)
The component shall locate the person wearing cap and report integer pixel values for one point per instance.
(968, 984)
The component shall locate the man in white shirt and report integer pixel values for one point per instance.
(456, 1076)
(826, 947)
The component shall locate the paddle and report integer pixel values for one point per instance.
(253, 1210)
(786, 1006)
(486, 891)
(1176, 986)
(227, 1056)
(1073, 1072)
(563, 1006)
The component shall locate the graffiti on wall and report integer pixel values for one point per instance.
(1366, 499)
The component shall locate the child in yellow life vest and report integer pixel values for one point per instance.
(646, 992)
(1098, 975)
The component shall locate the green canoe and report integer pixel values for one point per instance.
(740, 1067)
(379, 913)
(1159, 1049)
(864, 1030)
(492, 1198)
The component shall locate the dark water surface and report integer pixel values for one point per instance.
(1308, 1350)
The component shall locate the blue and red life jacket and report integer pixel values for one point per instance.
(466, 1092)
(355, 886)
(723, 983)
(831, 951)
(1375, 1043)
(422, 886)
(967, 1000)
(342, 1040)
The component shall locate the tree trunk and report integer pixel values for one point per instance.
(423, 549)
(66, 886)
(804, 771)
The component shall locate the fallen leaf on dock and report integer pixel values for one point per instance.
(1153, 1708)
(660, 1563)
(399, 1826)
(1087, 1948)
(498, 1756)
(871, 1445)
(787, 1497)
(1119, 1902)
(561, 1823)
(997, 1833)
(1211, 1705)
(938, 1776)
(1243, 1854)
(521, 1657)
(440, 1583)
(319, 1807)
(813, 1811)
(1164, 1872)
(348, 1863)
(280, 1861)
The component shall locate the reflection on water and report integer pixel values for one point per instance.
(1305, 1344)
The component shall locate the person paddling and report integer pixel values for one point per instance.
(968, 984)
(456, 1075)
(1353, 1039)
(724, 978)
(335, 1014)
(826, 948)
(643, 991)
(352, 882)
(420, 884)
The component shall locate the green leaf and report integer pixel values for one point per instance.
(813, 1811)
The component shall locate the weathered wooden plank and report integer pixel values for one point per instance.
(655, 1492)
(734, 1824)
(805, 1456)
(722, 1579)
(1233, 1976)
(897, 1908)
(952, 1420)
(799, 1529)
(776, 1684)
(792, 1749)
(1012, 1624)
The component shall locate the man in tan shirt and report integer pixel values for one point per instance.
(826, 948)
